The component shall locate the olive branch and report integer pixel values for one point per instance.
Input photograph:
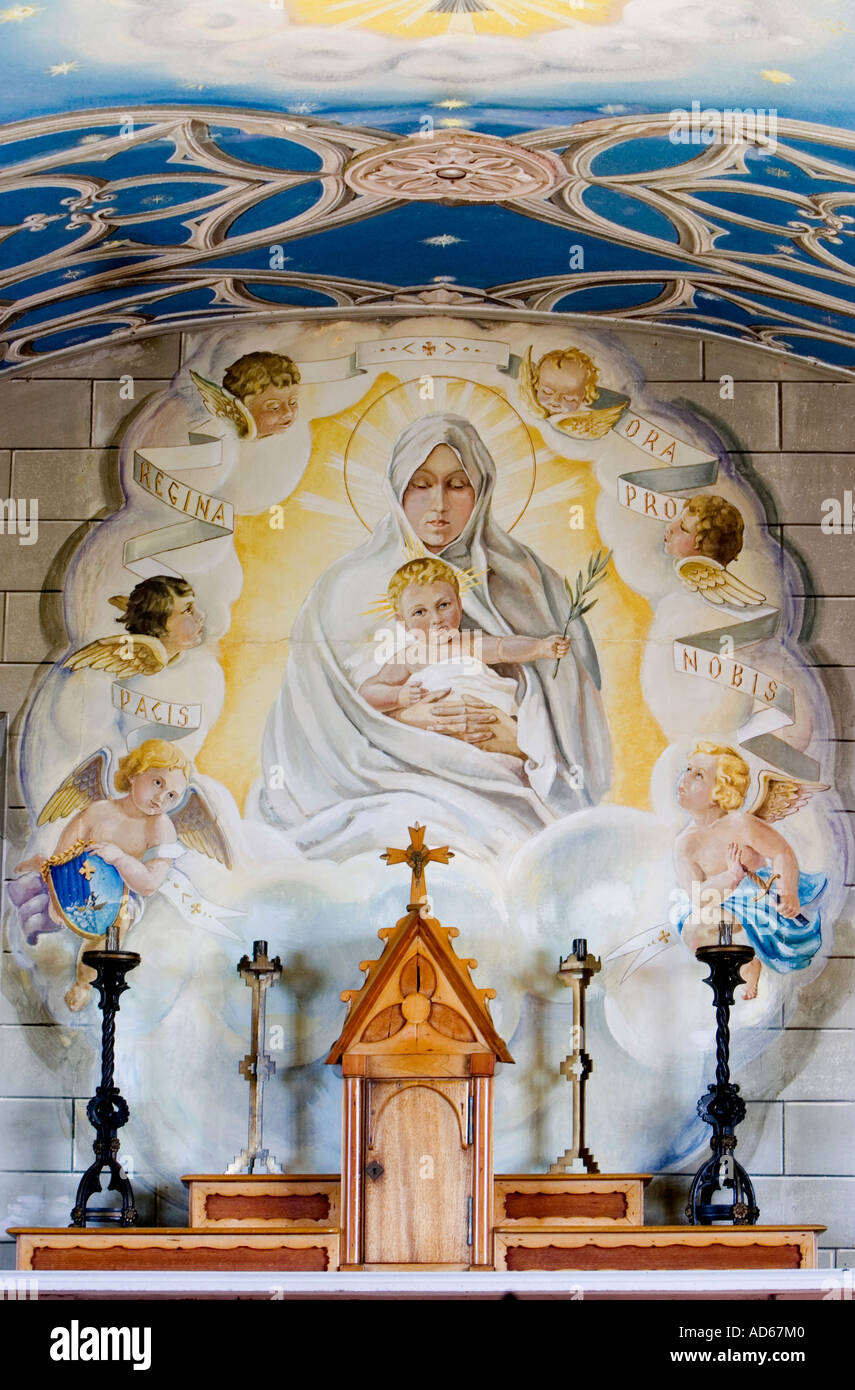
(597, 567)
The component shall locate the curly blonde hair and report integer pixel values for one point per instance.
(155, 752)
(255, 371)
(732, 775)
(564, 357)
(424, 570)
(719, 529)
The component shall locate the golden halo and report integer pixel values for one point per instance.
(501, 427)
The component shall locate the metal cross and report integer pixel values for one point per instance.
(259, 974)
(418, 857)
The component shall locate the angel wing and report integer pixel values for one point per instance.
(196, 827)
(87, 783)
(593, 423)
(221, 403)
(779, 796)
(525, 381)
(715, 583)
(130, 654)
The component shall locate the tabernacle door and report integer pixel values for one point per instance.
(418, 1174)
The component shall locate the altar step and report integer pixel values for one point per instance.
(542, 1222)
(656, 1248)
(176, 1248)
(281, 1202)
(569, 1199)
(517, 1250)
(264, 1201)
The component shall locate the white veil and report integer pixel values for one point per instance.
(331, 763)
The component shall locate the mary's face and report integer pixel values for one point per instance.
(439, 499)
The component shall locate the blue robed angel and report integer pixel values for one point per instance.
(732, 866)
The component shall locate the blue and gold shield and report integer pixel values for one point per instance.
(89, 895)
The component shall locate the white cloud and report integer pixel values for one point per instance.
(240, 43)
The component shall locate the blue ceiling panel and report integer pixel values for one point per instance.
(191, 162)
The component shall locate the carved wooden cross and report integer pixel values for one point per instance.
(418, 858)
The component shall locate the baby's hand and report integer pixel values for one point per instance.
(412, 693)
(31, 865)
(556, 645)
(734, 863)
(108, 851)
(789, 905)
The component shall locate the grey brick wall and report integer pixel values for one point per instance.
(788, 424)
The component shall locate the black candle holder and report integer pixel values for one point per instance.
(107, 1111)
(722, 1106)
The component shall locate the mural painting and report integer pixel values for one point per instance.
(474, 577)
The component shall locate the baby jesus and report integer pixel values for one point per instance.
(133, 832)
(731, 855)
(438, 656)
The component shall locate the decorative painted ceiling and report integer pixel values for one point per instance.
(176, 164)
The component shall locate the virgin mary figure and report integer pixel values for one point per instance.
(340, 775)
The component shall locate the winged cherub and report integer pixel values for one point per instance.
(703, 540)
(258, 395)
(561, 388)
(729, 857)
(159, 817)
(162, 620)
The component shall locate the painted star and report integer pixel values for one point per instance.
(775, 75)
(61, 69)
(451, 103)
(90, 139)
(452, 123)
(612, 110)
(444, 240)
(18, 13)
(444, 279)
(193, 86)
(778, 173)
(155, 200)
(73, 274)
(786, 250)
(302, 108)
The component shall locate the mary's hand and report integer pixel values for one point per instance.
(437, 714)
(492, 728)
(469, 719)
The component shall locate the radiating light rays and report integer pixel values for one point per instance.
(428, 18)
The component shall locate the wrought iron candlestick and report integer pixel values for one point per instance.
(575, 972)
(722, 1106)
(259, 974)
(108, 1110)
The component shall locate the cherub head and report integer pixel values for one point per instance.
(155, 776)
(266, 384)
(425, 594)
(164, 607)
(709, 526)
(715, 777)
(564, 380)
